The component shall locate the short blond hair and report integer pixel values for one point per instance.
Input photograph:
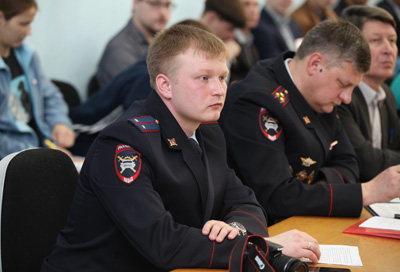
(177, 39)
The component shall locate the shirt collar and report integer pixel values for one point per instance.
(193, 136)
(370, 94)
(278, 19)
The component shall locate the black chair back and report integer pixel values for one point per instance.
(38, 189)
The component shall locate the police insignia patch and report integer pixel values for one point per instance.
(127, 163)
(282, 95)
(269, 125)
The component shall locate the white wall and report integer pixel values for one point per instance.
(70, 35)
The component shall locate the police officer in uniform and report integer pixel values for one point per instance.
(155, 192)
(284, 138)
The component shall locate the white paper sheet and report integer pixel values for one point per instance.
(378, 222)
(339, 255)
(386, 209)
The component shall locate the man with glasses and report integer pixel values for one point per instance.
(149, 17)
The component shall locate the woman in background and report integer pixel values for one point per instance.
(32, 109)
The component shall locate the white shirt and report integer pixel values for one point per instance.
(373, 98)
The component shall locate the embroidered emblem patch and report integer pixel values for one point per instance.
(127, 163)
(282, 95)
(269, 125)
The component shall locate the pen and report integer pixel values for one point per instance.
(397, 216)
(50, 144)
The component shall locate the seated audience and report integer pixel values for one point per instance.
(342, 4)
(371, 119)
(248, 53)
(312, 12)
(155, 192)
(33, 112)
(276, 31)
(222, 17)
(124, 49)
(219, 16)
(284, 138)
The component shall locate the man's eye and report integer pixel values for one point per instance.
(203, 78)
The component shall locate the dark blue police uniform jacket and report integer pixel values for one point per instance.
(144, 195)
(281, 148)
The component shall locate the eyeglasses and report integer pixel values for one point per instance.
(160, 5)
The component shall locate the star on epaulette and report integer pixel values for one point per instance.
(145, 123)
(281, 95)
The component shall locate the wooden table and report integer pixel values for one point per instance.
(377, 254)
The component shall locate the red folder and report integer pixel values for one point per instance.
(355, 229)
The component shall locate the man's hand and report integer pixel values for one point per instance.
(382, 188)
(298, 244)
(218, 230)
(63, 135)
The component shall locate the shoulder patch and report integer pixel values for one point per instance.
(269, 125)
(281, 95)
(145, 123)
(127, 163)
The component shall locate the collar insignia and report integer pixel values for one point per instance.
(172, 142)
(306, 120)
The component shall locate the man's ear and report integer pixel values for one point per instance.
(315, 63)
(163, 84)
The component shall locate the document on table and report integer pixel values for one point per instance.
(378, 222)
(386, 209)
(339, 255)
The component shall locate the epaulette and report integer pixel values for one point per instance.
(145, 123)
(281, 95)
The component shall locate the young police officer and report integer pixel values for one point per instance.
(155, 192)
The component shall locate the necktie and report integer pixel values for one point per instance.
(376, 127)
(196, 146)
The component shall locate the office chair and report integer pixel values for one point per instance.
(69, 92)
(36, 191)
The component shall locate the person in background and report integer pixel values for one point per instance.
(371, 119)
(33, 112)
(111, 101)
(312, 12)
(155, 192)
(393, 7)
(124, 49)
(222, 17)
(276, 31)
(284, 138)
(243, 36)
(342, 4)
(219, 16)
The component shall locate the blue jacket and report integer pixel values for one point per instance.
(268, 39)
(108, 103)
(48, 105)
